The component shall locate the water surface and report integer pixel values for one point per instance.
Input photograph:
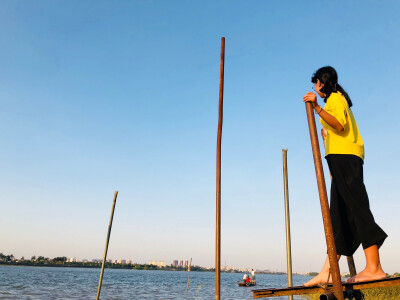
(37, 283)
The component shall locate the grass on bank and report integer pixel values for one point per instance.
(384, 293)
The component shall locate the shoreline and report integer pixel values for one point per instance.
(98, 266)
(127, 267)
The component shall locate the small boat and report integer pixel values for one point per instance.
(250, 283)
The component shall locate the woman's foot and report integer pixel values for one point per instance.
(319, 279)
(367, 275)
(322, 277)
(373, 270)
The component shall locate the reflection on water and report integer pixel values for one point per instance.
(36, 283)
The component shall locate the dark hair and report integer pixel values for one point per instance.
(328, 76)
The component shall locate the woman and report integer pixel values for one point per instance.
(352, 221)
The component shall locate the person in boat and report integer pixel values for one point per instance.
(352, 220)
(246, 277)
(253, 275)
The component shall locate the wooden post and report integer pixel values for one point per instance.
(190, 265)
(330, 242)
(106, 249)
(218, 192)
(352, 266)
(287, 221)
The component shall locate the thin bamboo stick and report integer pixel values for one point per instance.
(218, 192)
(106, 249)
(287, 221)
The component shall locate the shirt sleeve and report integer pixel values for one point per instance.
(335, 107)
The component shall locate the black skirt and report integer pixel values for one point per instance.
(352, 220)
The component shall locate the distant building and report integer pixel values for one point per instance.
(72, 259)
(161, 264)
(85, 260)
(174, 263)
(129, 262)
(158, 263)
(181, 263)
(186, 264)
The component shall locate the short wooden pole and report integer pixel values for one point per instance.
(106, 249)
(190, 266)
(352, 266)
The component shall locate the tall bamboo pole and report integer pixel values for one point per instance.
(190, 266)
(326, 217)
(218, 192)
(106, 249)
(287, 221)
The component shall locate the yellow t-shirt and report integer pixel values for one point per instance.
(349, 140)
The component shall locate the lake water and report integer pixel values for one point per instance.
(79, 283)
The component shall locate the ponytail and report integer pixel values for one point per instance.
(344, 93)
(328, 76)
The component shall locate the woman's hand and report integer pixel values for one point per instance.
(329, 119)
(311, 97)
(324, 133)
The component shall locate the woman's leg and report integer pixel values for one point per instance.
(322, 277)
(373, 270)
(349, 176)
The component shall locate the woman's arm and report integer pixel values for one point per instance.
(329, 119)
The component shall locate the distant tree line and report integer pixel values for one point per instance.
(10, 258)
(63, 262)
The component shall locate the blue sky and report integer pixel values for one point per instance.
(99, 96)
